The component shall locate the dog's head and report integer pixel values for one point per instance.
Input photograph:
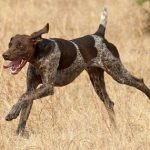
(21, 49)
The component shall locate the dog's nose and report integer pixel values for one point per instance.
(6, 55)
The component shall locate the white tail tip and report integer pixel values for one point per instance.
(104, 16)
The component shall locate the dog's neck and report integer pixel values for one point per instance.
(40, 51)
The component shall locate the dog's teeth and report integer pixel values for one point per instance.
(22, 61)
(18, 66)
(14, 71)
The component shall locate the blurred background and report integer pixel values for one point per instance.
(74, 118)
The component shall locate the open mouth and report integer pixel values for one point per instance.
(16, 66)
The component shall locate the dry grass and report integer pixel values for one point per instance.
(74, 118)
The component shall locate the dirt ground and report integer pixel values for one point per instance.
(74, 118)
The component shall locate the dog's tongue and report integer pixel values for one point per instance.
(16, 66)
(13, 64)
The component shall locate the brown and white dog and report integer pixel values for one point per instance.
(57, 62)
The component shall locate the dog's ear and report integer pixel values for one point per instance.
(38, 34)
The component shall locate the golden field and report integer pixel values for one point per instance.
(74, 118)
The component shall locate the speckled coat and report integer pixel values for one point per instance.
(57, 62)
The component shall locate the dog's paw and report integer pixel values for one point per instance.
(21, 131)
(14, 112)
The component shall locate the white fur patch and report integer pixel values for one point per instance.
(104, 16)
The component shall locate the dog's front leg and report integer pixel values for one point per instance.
(28, 98)
(32, 83)
(33, 80)
(25, 104)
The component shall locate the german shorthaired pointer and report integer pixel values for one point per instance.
(57, 62)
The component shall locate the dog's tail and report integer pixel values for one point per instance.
(103, 23)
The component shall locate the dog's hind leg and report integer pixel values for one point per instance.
(108, 59)
(97, 78)
(114, 67)
(123, 76)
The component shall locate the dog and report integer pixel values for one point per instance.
(57, 62)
